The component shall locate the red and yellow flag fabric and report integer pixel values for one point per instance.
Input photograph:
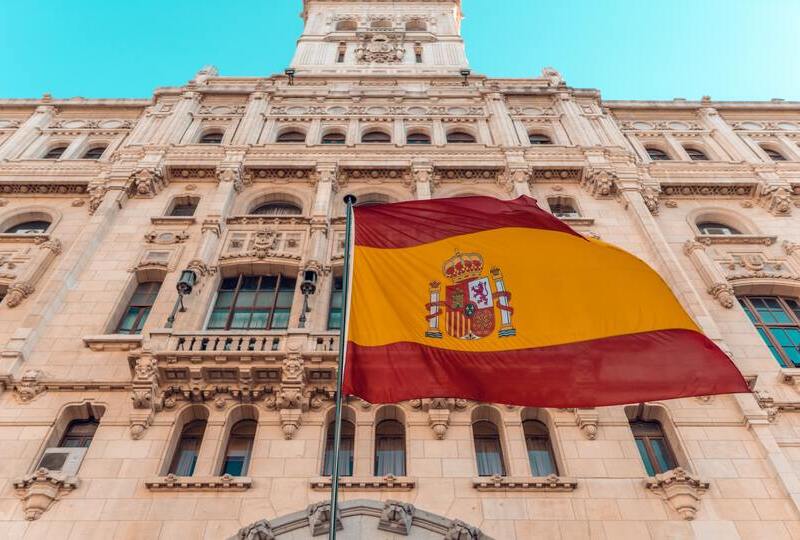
(499, 301)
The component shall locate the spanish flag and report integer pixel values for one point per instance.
(499, 301)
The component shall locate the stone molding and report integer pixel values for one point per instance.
(366, 483)
(225, 482)
(39, 489)
(392, 516)
(680, 489)
(113, 342)
(521, 483)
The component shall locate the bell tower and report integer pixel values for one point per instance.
(381, 36)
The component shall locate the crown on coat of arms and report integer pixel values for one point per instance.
(463, 266)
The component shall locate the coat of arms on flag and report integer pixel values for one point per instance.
(470, 300)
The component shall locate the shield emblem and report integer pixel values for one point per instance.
(469, 313)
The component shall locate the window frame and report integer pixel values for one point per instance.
(62, 147)
(231, 309)
(763, 327)
(337, 280)
(376, 133)
(460, 133)
(548, 442)
(774, 155)
(647, 441)
(392, 437)
(289, 136)
(327, 451)
(693, 152)
(176, 454)
(204, 136)
(276, 204)
(143, 312)
(338, 138)
(85, 440)
(37, 230)
(543, 139)
(498, 439)
(702, 227)
(422, 138)
(91, 149)
(662, 155)
(250, 444)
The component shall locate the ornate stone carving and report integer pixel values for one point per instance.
(439, 412)
(39, 489)
(718, 190)
(461, 531)
(29, 385)
(548, 483)
(396, 517)
(17, 292)
(146, 396)
(264, 242)
(233, 175)
(776, 199)
(54, 245)
(724, 293)
(716, 283)
(587, 420)
(600, 182)
(650, 197)
(380, 49)
(166, 237)
(97, 190)
(147, 182)
(319, 518)
(260, 530)
(680, 489)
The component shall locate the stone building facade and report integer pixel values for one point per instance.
(122, 418)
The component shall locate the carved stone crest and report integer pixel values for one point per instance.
(381, 49)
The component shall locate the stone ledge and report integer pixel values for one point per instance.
(362, 483)
(523, 483)
(709, 239)
(173, 220)
(577, 221)
(113, 342)
(199, 483)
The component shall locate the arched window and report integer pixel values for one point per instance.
(416, 25)
(277, 208)
(346, 446)
(240, 447)
(183, 207)
(460, 137)
(139, 307)
(390, 448)
(333, 138)
(292, 136)
(539, 138)
(540, 450)
(79, 433)
(55, 152)
(563, 207)
(348, 25)
(654, 449)
(29, 227)
(696, 155)
(774, 155)
(188, 448)
(212, 137)
(488, 451)
(253, 302)
(713, 227)
(777, 320)
(95, 152)
(657, 155)
(418, 138)
(376, 137)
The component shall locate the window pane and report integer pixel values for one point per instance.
(234, 465)
(229, 284)
(268, 283)
(648, 464)
(240, 320)
(249, 283)
(773, 350)
(747, 311)
(259, 319)
(280, 319)
(265, 299)
(143, 313)
(489, 457)
(335, 319)
(540, 458)
(345, 455)
(218, 319)
(128, 320)
(662, 454)
(390, 454)
(224, 299)
(285, 298)
(245, 299)
(794, 306)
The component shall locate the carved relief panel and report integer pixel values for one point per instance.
(264, 243)
(23, 261)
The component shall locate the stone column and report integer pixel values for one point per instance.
(173, 127)
(578, 128)
(27, 132)
(253, 119)
(716, 283)
(723, 134)
(500, 123)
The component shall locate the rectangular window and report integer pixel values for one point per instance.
(335, 309)
(253, 303)
(777, 320)
(139, 308)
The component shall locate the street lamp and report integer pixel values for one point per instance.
(184, 286)
(308, 287)
(465, 73)
(289, 72)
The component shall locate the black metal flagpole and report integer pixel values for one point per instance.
(337, 432)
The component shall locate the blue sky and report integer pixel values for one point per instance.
(629, 49)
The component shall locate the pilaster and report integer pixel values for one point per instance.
(27, 132)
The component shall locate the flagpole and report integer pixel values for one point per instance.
(337, 432)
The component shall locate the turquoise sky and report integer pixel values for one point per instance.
(629, 49)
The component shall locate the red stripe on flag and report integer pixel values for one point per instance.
(412, 223)
(632, 368)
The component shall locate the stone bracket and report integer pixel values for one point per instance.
(680, 489)
(40, 489)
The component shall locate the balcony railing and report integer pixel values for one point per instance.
(227, 342)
